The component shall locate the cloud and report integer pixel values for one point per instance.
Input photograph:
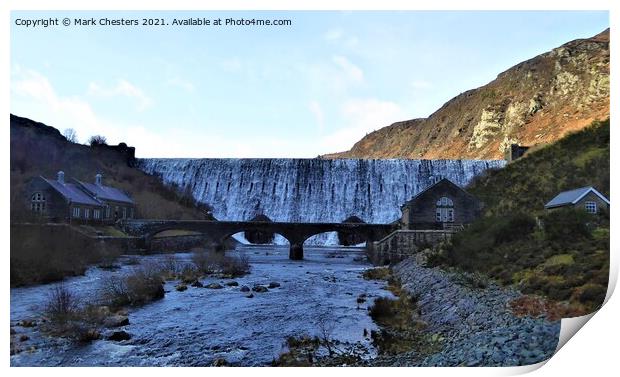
(180, 83)
(350, 70)
(338, 37)
(123, 88)
(316, 110)
(33, 96)
(40, 97)
(333, 34)
(361, 116)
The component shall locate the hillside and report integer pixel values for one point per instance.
(38, 149)
(535, 102)
(562, 255)
(577, 160)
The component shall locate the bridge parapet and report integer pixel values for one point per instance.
(219, 231)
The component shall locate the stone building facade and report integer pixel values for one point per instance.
(441, 206)
(58, 200)
(587, 198)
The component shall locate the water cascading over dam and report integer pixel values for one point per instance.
(310, 190)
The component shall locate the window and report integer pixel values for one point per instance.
(124, 212)
(107, 212)
(591, 207)
(37, 202)
(131, 213)
(86, 213)
(96, 214)
(76, 212)
(444, 212)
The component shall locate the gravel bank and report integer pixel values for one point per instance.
(476, 324)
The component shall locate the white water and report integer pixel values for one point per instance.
(310, 190)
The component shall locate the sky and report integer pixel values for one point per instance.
(313, 87)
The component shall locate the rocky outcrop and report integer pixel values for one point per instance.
(474, 320)
(535, 102)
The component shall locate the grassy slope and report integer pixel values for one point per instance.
(580, 159)
(567, 258)
(40, 150)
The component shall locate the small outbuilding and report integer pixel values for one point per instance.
(586, 198)
(442, 205)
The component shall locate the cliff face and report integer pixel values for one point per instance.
(535, 102)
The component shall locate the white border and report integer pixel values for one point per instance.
(594, 349)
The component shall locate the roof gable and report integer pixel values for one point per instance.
(443, 181)
(573, 196)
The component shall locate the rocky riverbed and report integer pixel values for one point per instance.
(474, 320)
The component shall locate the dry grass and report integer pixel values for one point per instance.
(210, 262)
(143, 285)
(43, 254)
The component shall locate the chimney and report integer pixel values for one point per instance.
(61, 177)
(98, 179)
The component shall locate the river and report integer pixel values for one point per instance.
(200, 325)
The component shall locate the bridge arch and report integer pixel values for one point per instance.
(219, 231)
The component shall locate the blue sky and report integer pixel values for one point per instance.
(314, 87)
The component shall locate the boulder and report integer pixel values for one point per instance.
(232, 284)
(273, 284)
(245, 288)
(118, 336)
(259, 289)
(181, 287)
(250, 295)
(116, 321)
(197, 284)
(220, 363)
(27, 323)
(214, 286)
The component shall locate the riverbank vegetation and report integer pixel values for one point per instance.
(67, 315)
(401, 328)
(43, 254)
(562, 255)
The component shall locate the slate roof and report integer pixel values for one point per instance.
(72, 192)
(106, 192)
(573, 196)
(441, 181)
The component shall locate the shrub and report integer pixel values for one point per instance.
(593, 293)
(236, 266)
(97, 140)
(209, 262)
(141, 286)
(567, 225)
(382, 308)
(378, 273)
(62, 305)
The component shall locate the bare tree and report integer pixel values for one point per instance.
(326, 328)
(97, 140)
(71, 135)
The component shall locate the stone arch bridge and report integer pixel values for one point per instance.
(219, 231)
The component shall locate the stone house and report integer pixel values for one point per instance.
(117, 204)
(443, 205)
(586, 198)
(75, 201)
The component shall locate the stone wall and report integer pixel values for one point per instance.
(402, 244)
